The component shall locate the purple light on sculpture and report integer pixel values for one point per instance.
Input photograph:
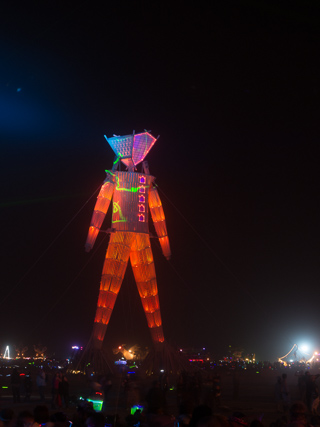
(132, 149)
(142, 144)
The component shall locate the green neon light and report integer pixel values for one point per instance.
(130, 190)
(95, 401)
(97, 404)
(117, 208)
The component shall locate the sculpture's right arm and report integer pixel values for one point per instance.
(99, 213)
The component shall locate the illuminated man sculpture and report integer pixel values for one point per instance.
(133, 194)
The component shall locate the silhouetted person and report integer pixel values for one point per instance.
(302, 378)
(56, 398)
(213, 421)
(7, 417)
(155, 399)
(277, 394)
(41, 384)
(25, 419)
(15, 385)
(106, 385)
(41, 414)
(59, 419)
(27, 384)
(64, 390)
(311, 390)
(198, 413)
(298, 415)
(285, 393)
(96, 419)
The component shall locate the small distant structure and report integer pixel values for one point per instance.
(134, 353)
(40, 351)
(20, 351)
(6, 353)
(298, 355)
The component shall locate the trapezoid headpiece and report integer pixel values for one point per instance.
(132, 149)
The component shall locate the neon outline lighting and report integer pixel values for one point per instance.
(117, 208)
(141, 217)
(142, 199)
(132, 189)
(132, 148)
(142, 208)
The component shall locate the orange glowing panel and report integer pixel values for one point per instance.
(165, 246)
(150, 304)
(157, 334)
(104, 197)
(106, 299)
(148, 288)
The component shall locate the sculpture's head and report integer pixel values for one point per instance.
(132, 149)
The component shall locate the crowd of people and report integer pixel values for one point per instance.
(21, 383)
(198, 399)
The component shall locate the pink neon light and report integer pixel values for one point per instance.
(132, 148)
(142, 199)
(142, 208)
(142, 189)
(141, 146)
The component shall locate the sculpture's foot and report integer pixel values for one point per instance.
(163, 357)
(95, 360)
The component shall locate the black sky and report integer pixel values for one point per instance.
(233, 90)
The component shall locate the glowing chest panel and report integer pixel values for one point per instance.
(130, 202)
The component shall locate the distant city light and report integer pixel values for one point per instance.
(75, 347)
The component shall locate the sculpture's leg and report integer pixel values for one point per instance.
(144, 272)
(112, 276)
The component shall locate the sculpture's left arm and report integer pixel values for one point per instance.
(159, 221)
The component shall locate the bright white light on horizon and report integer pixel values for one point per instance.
(304, 347)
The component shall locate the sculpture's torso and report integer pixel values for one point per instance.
(130, 202)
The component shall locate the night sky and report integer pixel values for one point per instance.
(233, 90)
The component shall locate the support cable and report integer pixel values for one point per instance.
(41, 321)
(13, 288)
(211, 250)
